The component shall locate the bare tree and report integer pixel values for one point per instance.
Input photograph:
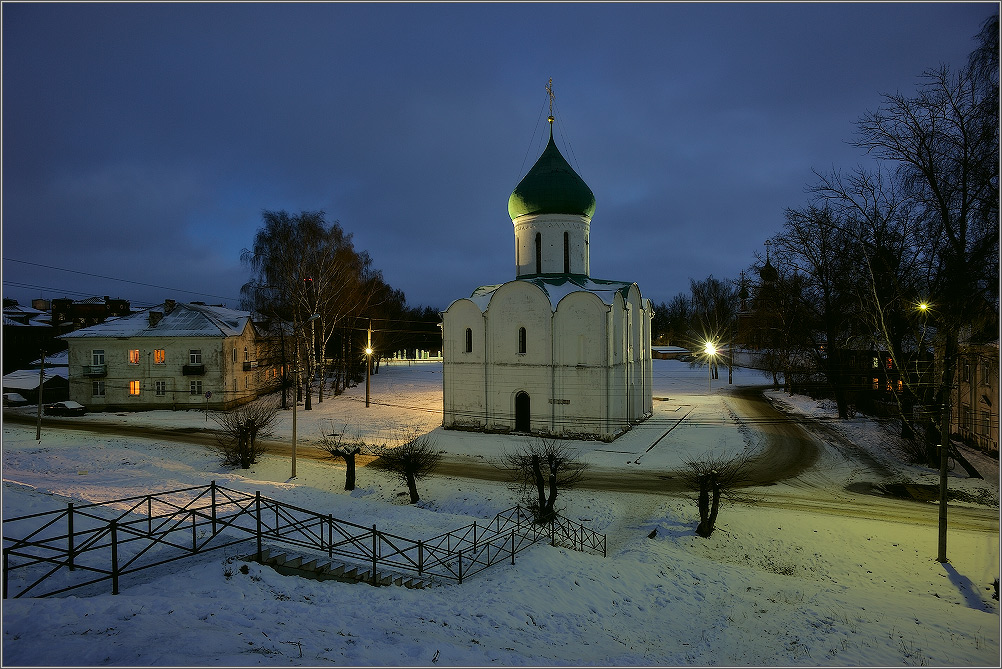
(538, 471)
(713, 478)
(240, 429)
(345, 445)
(414, 459)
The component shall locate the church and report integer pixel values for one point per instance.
(555, 351)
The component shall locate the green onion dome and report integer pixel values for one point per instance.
(551, 187)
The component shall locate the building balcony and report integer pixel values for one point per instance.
(95, 371)
(193, 370)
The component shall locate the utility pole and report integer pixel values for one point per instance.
(41, 382)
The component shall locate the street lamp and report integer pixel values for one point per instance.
(295, 397)
(710, 351)
(368, 363)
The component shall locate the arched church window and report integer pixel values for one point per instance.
(469, 340)
(539, 253)
(521, 340)
(567, 253)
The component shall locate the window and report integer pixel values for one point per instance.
(159, 356)
(539, 253)
(134, 388)
(196, 387)
(876, 384)
(965, 371)
(161, 388)
(97, 388)
(567, 253)
(469, 340)
(986, 421)
(234, 354)
(521, 340)
(97, 356)
(965, 417)
(195, 356)
(246, 355)
(246, 382)
(234, 381)
(876, 363)
(133, 356)
(890, 363)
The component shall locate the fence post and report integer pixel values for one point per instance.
(474, 536)
(114, 557)
(213, 487)
(553, 541)
(6, 559)
(330, 535)
(69, 537)
(257, 503)
(149, 515)
(375, 545)
(460, 567)
(513, 546)
(194, 532)
(420, 559)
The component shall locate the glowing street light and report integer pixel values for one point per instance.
(710, 351)
(368, 363)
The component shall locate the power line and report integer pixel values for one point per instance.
(113, 278)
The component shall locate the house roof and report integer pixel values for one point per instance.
(183, 320)
(27, 379)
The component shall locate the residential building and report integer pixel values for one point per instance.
(975, 407)
(173, 356)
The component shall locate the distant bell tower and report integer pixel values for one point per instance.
(551, 209)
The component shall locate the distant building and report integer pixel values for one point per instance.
(169, 357)
(975, 407)
(555, 351)
(55, 375)
(91, 311)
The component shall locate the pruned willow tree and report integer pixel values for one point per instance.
(306, 273)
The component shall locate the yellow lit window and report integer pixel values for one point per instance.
(133, 387)
(133, 356)
(876, 384)
(159, 356)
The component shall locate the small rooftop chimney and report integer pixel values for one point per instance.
(155, 317)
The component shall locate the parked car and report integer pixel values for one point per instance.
(686, 357)
(67, 408)
(13, 400)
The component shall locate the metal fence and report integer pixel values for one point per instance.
(86, 544)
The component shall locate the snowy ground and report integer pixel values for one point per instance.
(772, 586)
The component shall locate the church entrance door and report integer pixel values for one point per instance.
(522, 411)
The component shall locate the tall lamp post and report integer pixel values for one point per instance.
(368, 363)
(711, 351)
(295, 398)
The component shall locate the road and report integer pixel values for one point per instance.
(791, 452)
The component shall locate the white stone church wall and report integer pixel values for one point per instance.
(513, 306)
(463, 371)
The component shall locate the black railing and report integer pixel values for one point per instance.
(87, 544)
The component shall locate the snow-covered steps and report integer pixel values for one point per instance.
(327, 571)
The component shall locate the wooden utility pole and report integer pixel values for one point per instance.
(41, 383)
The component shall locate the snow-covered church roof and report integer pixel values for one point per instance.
(558, 286)
(180, 320)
